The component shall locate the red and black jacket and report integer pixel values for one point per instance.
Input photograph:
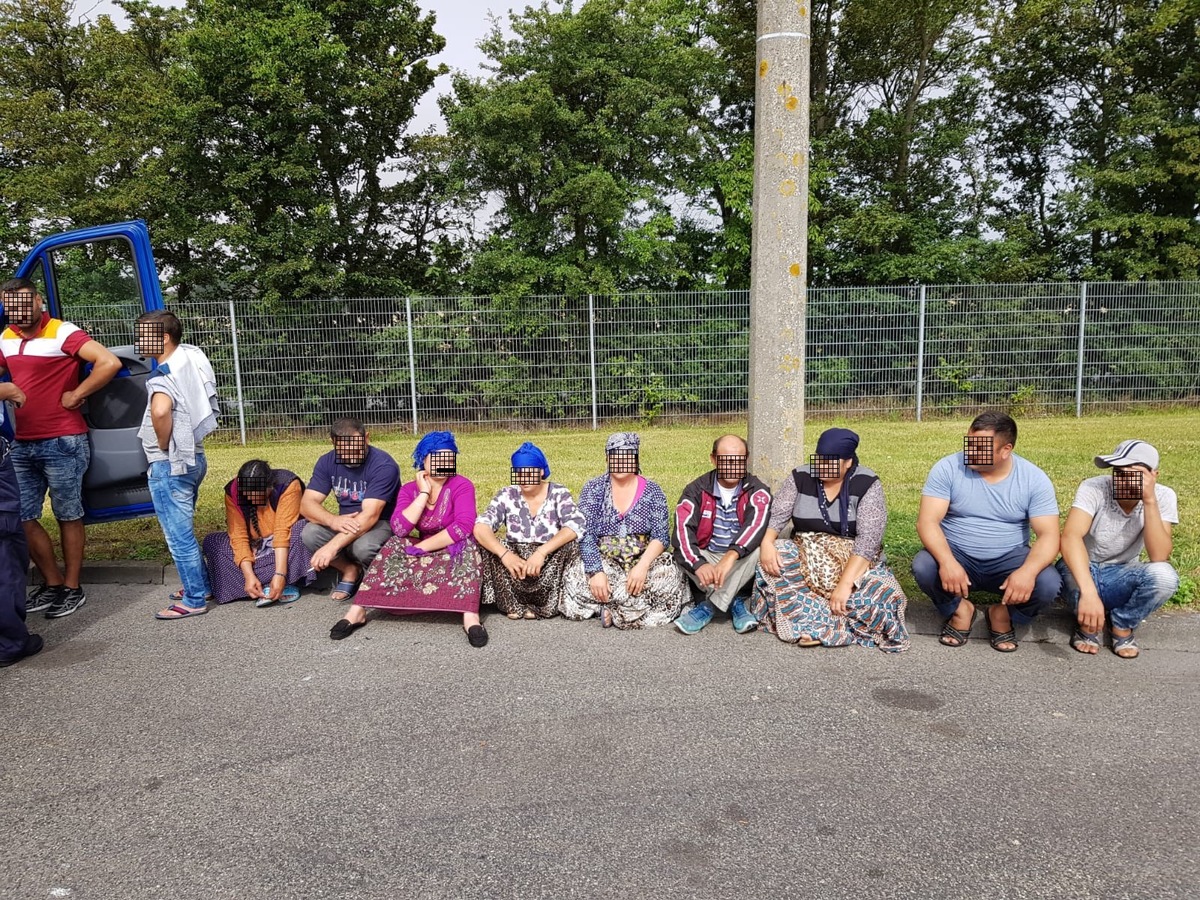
(698, 508)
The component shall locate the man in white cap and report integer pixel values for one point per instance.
(1110, 522)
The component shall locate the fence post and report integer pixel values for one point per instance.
(592, 357)
(920, 351)
(412, 368)
(237, 372)
(1079, 366)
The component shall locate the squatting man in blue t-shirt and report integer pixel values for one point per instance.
(365, 480)
(977, 508)
(1110, 522)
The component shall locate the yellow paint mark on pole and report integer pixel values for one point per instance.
(794, 270)
(763, 68)
(792, 102)
(788, 187)
(790, 363)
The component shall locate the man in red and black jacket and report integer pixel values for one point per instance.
(719, 525)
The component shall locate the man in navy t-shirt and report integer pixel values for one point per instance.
(365, 481)
(977, 509)
(16, 642)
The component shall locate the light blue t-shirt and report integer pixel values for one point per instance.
(986, 521)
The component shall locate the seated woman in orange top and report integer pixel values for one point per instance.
(260, 556)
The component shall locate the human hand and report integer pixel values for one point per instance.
(515, 565)
(415, 550)
(1149, 480)
(71, 400)
(768, 559)
(253, 587)
(424, 482)
(346, 524)
(1018, 587)
(954, 579)
(533, 565)
(635, 579)
(721, 572)
(838, 599)
(1090, 613)
(12, 393)
(322, 558)
(598, 585)
(706, 575)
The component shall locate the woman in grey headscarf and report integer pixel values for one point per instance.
(624, 576)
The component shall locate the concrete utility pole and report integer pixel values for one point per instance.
(779, 247)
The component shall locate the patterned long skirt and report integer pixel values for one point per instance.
(789, 608)
(660, 602)
(226, 578)
(443, 581)
(538, 595)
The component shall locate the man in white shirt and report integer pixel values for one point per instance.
(1111, 521)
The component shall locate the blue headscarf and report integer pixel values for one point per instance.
(530, 457)
(435, 440)
(842, 443)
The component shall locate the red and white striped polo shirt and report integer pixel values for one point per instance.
(45, 367)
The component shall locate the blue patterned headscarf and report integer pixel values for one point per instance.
(530, 457)
(622, 440)
(435, 440)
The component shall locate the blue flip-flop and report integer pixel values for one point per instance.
(349, 588)
(290, 594)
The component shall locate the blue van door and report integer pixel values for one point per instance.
(102, 279)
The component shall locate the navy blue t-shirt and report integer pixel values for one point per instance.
(377, 478)
(10, 491)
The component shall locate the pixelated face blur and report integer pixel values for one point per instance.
(979, 450)
(1127, 483)
(20, 307)
(442, 463)
(252, 490)
(826, 468)
(731, 466)
(526, 475)
(622, 462)
(151, 339)
(350, 449)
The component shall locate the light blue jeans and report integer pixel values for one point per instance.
(1129, 591)
(174, 499)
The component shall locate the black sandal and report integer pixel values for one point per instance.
(996, 638)
(477, 636)
(949, 631)
(344, 628)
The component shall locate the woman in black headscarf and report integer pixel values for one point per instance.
(829, 583)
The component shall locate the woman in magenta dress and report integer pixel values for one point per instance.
(431, 564)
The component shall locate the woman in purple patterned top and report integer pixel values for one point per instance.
(431, 564)
(624, 575)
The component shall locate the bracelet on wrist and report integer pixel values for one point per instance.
(505, 553)
(280, 575)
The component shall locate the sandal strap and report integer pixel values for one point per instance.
(1007, 637)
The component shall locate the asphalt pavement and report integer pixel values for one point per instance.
(243, 754)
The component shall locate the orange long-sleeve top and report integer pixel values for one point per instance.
(278, 521)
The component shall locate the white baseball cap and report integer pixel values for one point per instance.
(1130, 453)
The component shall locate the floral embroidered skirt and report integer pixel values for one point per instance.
(444, 581)
(540, 595)
(659, 603)
(789, 608)
(227, 580)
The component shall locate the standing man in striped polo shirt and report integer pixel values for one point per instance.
(43, 355)
(719, 526)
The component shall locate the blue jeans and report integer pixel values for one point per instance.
(174, 499)
(987, 575)
(1129, 591)
(56, 464)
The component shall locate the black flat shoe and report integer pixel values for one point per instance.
(344, 628)
(33, 645)
(477, 636)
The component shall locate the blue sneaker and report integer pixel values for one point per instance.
(742, 620)
(696, 617)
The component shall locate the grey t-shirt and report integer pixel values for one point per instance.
(1114, 536)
